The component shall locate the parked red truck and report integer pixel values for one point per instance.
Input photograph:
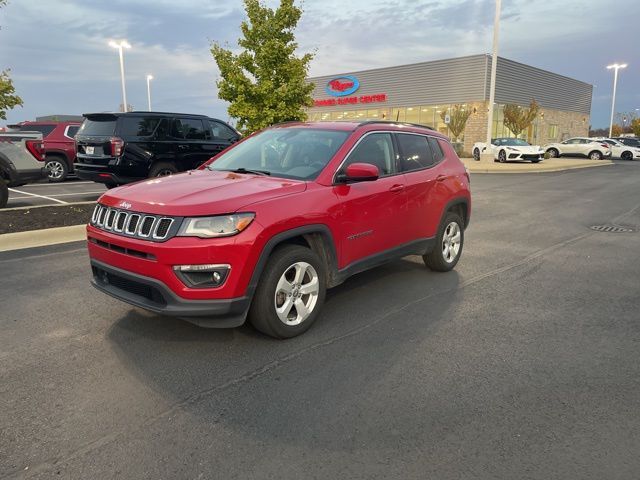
(59, 145)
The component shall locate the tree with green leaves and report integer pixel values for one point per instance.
(8, 97)
(458, 116)
(518, 118)
(265, 83)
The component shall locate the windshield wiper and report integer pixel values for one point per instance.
(245, 170)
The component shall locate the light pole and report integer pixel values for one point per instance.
(120, 45)
(488, 156)
(616, 67)
(149, 78)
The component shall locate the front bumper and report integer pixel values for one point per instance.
(153, 295)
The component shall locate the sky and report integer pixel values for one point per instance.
(61, 63)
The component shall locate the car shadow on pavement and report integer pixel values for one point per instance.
(369, 326)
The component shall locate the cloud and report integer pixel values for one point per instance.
(61, 62)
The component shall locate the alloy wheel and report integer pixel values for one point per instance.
(451, 242)
(55, 169)
(297, 293)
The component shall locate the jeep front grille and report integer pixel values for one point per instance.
(133, 224)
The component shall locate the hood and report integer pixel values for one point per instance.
(199, 192)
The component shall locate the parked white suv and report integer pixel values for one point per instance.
(579, 147)
(622, 151)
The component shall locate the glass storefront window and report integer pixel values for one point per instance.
(427, 116)
(412, 115)
(398, 114)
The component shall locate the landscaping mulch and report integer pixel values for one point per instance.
(37, 218)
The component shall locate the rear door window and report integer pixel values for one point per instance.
(188, 129)
(415, 152)
(436, 149)
(106, 127)
(220, 131)
(137, 126)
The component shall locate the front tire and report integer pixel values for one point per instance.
(476, 154)
(4, 193)
(553, 153)
(290, 293)
(626, 156)
(449, 242)
(595, 155)
(57, 168)
(502, 156)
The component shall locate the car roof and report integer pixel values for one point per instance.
(351, 126)
(138, 113)
(45, 122)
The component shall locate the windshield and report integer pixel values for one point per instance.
(298, 153)
(511, 142)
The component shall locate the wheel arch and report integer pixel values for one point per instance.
(317, 237)
(459, 205)
(57, 153)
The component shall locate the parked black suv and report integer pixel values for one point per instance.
(118, 148)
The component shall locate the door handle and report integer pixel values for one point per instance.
(396, 188)
(441, 178)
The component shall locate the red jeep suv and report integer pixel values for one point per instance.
(265, 227)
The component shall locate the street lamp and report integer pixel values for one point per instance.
(120, 45)
(149, 78)
(616, 67)
(492, 85)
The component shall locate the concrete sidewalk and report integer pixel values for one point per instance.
(545, 166)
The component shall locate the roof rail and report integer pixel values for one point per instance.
(392, 122)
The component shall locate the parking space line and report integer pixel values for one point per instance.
(75, 194)
(66, 184)
(39, 196)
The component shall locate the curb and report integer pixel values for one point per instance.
(541, 170)
(42, 238)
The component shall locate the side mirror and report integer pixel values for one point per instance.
(359, 172)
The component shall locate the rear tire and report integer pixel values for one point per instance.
(162, 169)
(290, 293)
(449, 242)
(57, 168)
(4, 193)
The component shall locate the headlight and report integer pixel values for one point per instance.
(219, 226)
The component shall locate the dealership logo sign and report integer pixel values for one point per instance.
(342, 86)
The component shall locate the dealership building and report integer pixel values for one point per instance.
(425, 92)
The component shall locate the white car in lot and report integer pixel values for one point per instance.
(507, 149)
(622, 151)
(579, 147)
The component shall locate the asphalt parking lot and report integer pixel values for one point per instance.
(45, 193)
(524, 363)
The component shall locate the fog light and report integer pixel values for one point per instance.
(202, 276)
